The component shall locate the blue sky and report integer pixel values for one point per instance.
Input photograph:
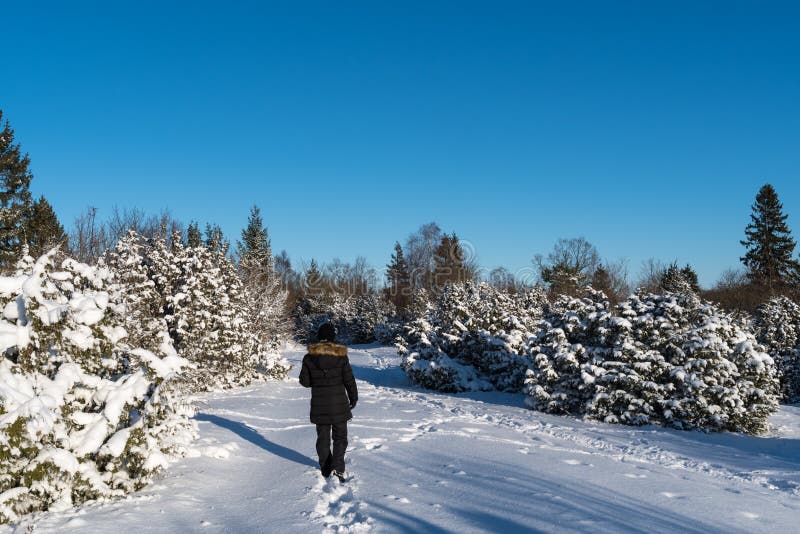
(646, 127)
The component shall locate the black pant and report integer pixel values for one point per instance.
(339, 445)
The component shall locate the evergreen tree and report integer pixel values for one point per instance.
(569, 267)
(778, 327)
(769, 243)
(215, 239)
(449, 264)
(680, 280)
(473, 337)
(601, 280)
(690, 275)
(399, 279)
(254, 250)
(314, 280)
(76, 392)
(43, 231)
(673, 359)
(563, 279)
(15, 197)
(193, 236)
(144, 304)
(264, 295)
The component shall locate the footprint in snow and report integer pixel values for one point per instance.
(337, 507)
(577, 462)
(670, 495)
(402, 500)
(371, 443)
(634, 475)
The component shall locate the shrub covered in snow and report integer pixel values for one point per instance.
(83, 414)
(474, 338)
(778, 328)
(358, 318)
(196, 292)
(671, 359)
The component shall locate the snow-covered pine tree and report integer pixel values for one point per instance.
(428, 342)
(216, 240)
(363, 316)
(254, 251)
(690, 275)
(264, 294)
(144, 320)
(567, 353)
(194, 238)
(499, 327)
(84, 415)
(778, 329)
(672, 358)
(43, 231)
(721, 378)
(15, 197)
(474, 337)
(208, 318)
(677, 280)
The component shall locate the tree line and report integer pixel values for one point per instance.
(423, 264)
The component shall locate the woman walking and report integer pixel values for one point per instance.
(326, 370)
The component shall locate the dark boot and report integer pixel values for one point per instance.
(328, 466)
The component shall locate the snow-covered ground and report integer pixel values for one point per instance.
(429, 462)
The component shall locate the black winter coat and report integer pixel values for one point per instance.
(326, 370)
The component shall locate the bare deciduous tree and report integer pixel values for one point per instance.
(569, 266)
(650, 275)
(612, 278)
(420, 253)
(89, 238)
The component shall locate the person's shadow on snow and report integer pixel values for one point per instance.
(251, 435)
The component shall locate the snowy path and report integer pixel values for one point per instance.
(427, 462)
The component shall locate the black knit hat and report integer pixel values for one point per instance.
(326, 332)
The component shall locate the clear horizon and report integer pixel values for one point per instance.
(646, 129)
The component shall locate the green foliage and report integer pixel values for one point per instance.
(43, 230)
(769, 243)
(671, 359)
(15, 197)
(255, 250)
(778, 329)
(449, 263)
(473, 338)
(680, 280)
(74, 392)
(398, 277)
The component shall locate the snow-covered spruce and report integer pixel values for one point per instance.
(358, 318)
(198, 294)
(567, 352)
(778, 328)
(671, 359)
(83, 415)
(473, 338)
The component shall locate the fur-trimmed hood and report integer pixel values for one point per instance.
(326, 348)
